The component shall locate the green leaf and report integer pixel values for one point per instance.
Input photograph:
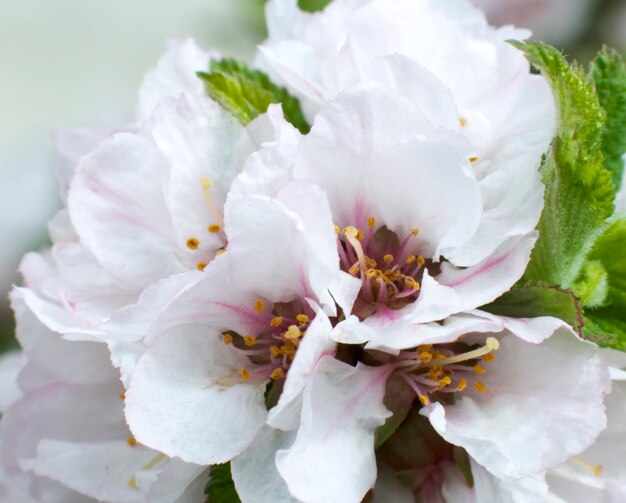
(462, 461)
(609, 322)
(539, 300)
(608, 74)
(313, 5)
(247, 93)
(220, 488)
(579, 189)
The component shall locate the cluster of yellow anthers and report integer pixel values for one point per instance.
(193, 243)
(272, 350)
(389, 278)
(437, 368)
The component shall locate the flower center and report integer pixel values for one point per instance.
(442, 368)
(390, 275)
(272, 350)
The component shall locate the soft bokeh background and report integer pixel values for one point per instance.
(70, 63)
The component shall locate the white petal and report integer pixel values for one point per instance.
(315, 345)
(254, 472)
(544, 404)
(117, 206)
(186, 398)
(335, 443)
(174, 74)
(101, 471)
(10, 366)
(488, 487)
(178, 482)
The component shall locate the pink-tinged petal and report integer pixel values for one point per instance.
(346, 134)
(174, 74)
(426, 184)
(315, 345)
(99, 470)
(254, 471)
(486, 281)
(342, 408)
(10, 366)
(118, 209)
(214, 301)
(544, 403)
(488, 487)
(187, 399)
(84, 362)
(178, 482)
(283, 253)
(201, 141)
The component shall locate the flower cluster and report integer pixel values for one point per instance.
(308, 306)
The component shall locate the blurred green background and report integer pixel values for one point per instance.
(72, 63)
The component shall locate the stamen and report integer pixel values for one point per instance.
(489, 358)
(277, 374)
(220, 251)
(245, 374)
(276, 322)
(463, 121)
(480, 386)
(259, 306)
(462, 385)
(337, 230)
(275, 351)
(388, 259)
(249, 340)
(131, 441)
(303, 319)
(207, 183)
(352, 235)
(132, 483)
(201, 266)
(193, 243)
(491, 344)
(410, 260)
(479, 369)
(228, 339)
(123, 395)
(293, 332)
(473, 159)
(595, 469)
(424, 400)
(214, 228)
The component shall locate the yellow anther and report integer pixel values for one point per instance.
(371, 273)
(206, 183)
(245, 374)
(201, 266)
(214, 228)
(489, 358)
(276, 322)
(434, 373)
(131, 441)
(424, 399)
(354, 270)
(410, 260)
(193, 243)
(228, 339)
(463, 121)
(415, 231)
(293, 332)
(420, 261)
(411, 283)
(337, 229)
(479, 369)
(595, 469)
(275, 351)
(425, 356)
(359, 234)
(220, 251)
(288, 350)
(388, 259)
(303, 319)
(445, 381)
(480, 387)
(473, 159)
(462, 385)
(259, 306)
(249, 340)
(370, 262)
(371, 222)
(277, 374)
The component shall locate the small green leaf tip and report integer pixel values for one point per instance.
(579, 188)
(607, 73)
(221, 488)
(247, 93)
(609, 321)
